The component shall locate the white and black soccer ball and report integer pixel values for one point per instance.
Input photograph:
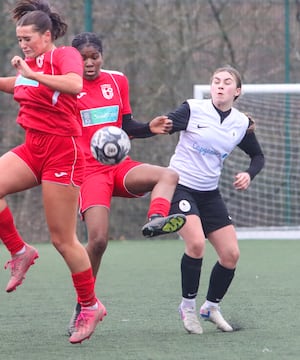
(110, 145)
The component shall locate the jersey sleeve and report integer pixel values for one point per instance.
(251, 147)
(180, 117)
(136, 129)
(69, 60)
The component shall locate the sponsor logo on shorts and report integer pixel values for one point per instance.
(184, 205)
(60, 174)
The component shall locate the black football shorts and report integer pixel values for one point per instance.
(208, 205)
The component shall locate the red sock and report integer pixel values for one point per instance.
(8, 232)
(160, 206)
(85, 287)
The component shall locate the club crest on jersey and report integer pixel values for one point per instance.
(107, 91)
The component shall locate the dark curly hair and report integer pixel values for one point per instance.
(86, 39)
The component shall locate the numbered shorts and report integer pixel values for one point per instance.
(208, 205)
(52, 158)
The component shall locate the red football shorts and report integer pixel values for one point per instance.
(99, 187)
(52, 158)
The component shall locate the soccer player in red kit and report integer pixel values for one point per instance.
(47, 82)
(104, 100)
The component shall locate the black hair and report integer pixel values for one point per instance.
(39, 14)
(87, 39)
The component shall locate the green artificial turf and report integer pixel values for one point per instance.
(139, 284)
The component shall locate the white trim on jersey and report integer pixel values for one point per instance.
(112, 72)
(205, 144)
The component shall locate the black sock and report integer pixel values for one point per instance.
(220, 280)
(190, 276)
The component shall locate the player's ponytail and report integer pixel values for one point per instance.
(39, 14)
(251, 126)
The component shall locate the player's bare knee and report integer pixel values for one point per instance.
(231, 259)
(195, 250)
(172, 176)
(97, 243)
(60, 245)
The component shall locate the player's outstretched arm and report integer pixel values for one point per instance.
(7, 84)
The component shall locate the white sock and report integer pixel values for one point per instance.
(21, 251)
(188, 303)
(93, 307)
(209, 304)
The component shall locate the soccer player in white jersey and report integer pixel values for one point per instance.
(209, 130)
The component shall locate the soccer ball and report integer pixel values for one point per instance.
(110, 145)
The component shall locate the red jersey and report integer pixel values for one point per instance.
(42, 108)
(102, 102)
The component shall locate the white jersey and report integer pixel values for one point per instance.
(205, 144)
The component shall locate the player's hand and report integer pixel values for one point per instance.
(21, 65)
(161, 125)
(242, 181)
